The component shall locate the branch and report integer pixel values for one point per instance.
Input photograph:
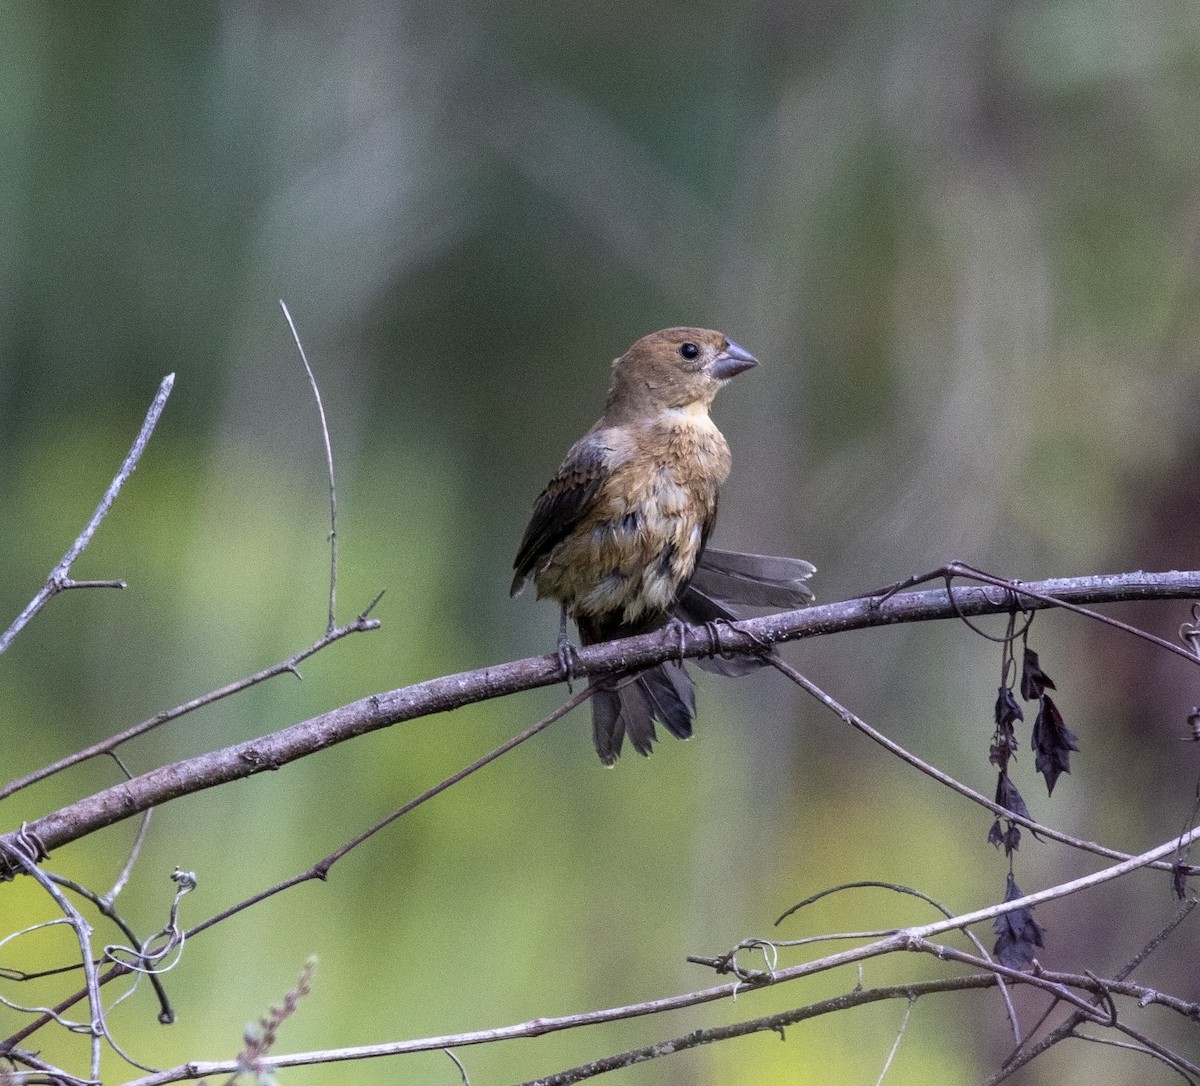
(908, 939)
(377, 711)
(316, 391)
(59, 579)
(774, 1023)
(892, 747)
(290, 666)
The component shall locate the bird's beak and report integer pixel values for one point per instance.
(732, 361)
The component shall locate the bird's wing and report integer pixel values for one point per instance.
(563, 503)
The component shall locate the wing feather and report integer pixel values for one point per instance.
(561, 506)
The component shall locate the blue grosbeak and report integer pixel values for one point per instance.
(618, 535)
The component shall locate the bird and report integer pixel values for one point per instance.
(618, 536)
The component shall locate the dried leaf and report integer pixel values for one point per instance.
(1179, 879)
(1009, 798)
(1052, 742)
(1004, 741)
(1034, 681)
(1018, 935)
(1005, 833)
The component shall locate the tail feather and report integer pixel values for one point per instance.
(726, 578)
(673, 697)
(756, 580)
(622, 706)
(608, 720)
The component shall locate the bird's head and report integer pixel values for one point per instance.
(674, 368)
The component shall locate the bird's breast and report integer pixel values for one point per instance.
(638, 544)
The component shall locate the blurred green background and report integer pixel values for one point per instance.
(962, 239)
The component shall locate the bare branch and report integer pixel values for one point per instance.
(909, 939)
(329, 466)
(107, 746)
(773, 1023)
(944, 778)
(60, 579)
(450, 692)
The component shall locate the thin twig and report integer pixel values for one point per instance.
(773, 1023)
(1142, 1050)
(333, 535)
(83, 933)
(944, 778)
(912, 1002)
(1168, 1056)
(59, 578)
(896, 888)
(320, 870)
(459, 1064)
(1026, 1052)
(54, 1075)
(104, 905)
(290, 666)
(1049, 600)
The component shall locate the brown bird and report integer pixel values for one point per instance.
(617, 536)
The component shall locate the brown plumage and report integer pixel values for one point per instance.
(618, 533)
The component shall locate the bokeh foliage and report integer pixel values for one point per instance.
(962, 238)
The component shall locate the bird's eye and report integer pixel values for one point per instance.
(689, 350)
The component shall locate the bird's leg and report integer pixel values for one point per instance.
(566, 651)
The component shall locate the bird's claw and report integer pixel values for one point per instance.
(568, 658)
(679, 628)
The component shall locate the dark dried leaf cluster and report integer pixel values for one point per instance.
(1052, 740)
(1008, 835)
(1018, 935)
(1052, 743)
(1004, 742)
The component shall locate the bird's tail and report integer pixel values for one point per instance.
(729, 578)
(629, 705)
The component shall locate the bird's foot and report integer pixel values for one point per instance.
(568, 659)
(679, 628)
